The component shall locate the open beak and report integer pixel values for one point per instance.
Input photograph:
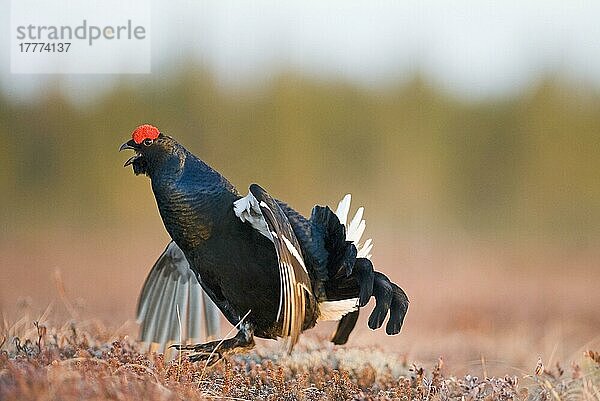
(133, 146)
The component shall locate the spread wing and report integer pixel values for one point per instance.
(170, 285)
(263, 212)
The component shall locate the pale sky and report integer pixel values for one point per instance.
(472, 48)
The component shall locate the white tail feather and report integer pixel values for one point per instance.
(335, 310)
(365, 249)
(343, 209)
(356, 220)
(356, 227)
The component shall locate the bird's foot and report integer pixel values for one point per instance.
(212, 352)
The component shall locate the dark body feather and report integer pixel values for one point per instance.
(236, 265)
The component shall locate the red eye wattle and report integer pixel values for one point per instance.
(144, 132)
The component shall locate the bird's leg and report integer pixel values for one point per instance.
(214, 351)
(344, 328)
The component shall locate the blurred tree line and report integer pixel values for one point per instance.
(419, 159)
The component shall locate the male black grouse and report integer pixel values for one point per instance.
(272, 272)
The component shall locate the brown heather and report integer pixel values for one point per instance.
(83, 361)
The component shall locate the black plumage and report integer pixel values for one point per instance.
(245, 266)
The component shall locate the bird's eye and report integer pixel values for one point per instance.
(148, 142)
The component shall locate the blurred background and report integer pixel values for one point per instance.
(470, 132)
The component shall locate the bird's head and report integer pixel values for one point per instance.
(152, 150)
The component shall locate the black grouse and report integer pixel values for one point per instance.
(272, 272)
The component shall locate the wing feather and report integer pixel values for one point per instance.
(260, 210)
(195, 309)
(152, 319)
(172, 285)
(166, 311)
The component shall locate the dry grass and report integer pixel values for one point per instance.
(490, 310)
(83, 361)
